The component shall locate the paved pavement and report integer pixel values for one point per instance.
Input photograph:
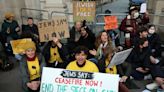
(10, 81)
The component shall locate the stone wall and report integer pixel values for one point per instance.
(156, 9)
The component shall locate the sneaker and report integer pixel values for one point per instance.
(152, 86)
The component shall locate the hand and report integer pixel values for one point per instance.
(76, 40)
(17, 29)
(57, 42)
(130, 29)
(146, 14)
(153, 60)
(120, 48)
(36, 35)
(93, 52)
(140, 69)
(19, 32)
(123, 79)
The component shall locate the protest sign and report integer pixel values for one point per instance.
(119, 57)
(60, 80)
(110, 22)
(84, 10)
(18, 45)
(58, 26)
(143, 8)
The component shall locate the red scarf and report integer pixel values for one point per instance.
(31, 59)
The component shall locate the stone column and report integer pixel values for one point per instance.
(13, 6)
(158, 10)
(55, 5)
(69, 9)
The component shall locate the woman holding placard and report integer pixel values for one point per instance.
(103, 67)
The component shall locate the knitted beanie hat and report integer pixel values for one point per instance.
(29, 45)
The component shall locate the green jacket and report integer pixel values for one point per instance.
(9, 29)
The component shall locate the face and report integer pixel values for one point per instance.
(30, 21)
(135, 14)
(78, 26)
(30, 53)
(104, 37)
(83, 32)
(81, 58)
(11, 18)
(144, 34)
(151, 30)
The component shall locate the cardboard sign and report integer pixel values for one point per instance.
(119, 57)
(60, 80)
(84, 10)
(110, 22)
(57, 26)
(18, 45)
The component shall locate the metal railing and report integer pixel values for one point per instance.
(123, 15)
(34, 10)
(63, 13)
(120, 16)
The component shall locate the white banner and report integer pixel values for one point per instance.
(60, 80)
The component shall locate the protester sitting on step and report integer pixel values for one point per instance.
(31, 66)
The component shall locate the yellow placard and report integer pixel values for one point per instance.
(18, 45)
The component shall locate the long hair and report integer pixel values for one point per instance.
(99, 41)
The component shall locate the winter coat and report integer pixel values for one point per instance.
(24, 69)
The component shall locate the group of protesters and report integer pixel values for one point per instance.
(85, 51)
